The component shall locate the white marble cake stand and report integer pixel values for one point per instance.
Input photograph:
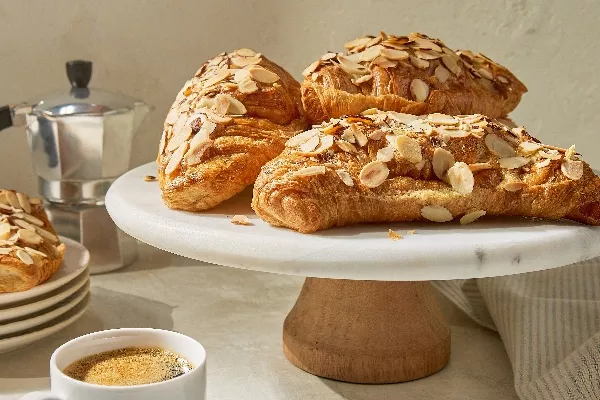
(375, 320)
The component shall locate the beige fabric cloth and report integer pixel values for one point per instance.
(549, 322)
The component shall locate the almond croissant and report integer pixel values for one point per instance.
(411, 74)
(387, 167)
(231, 118)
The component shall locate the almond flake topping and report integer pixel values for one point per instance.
(22, 224)
(428, 54)
(4, 231)
(240, 220)
(346, 146)
(374, 174)
(513, 162)
(572, 169)
(485, 73)
(461, 178)
(472, 217)
(550, 154)
(24, 202)
(244, 61)
(217, 77)
(301, 138)
(479, 166)
(529, 147)
(408, 148)
(180, 136)
(417, 62)
(345, 177)
(29, 236)
(326, 143)
(310, 144)
(514, 186)
(5, 250)
(247, 86)
(499, 146)
(362, 79)
(392, 54)
(263, 75)
(441, 162)
(451, 62)
(441, 74)
(394, 235)
(385, 154)
(436, 214)
(46, 234)
(310, 171)
(13, 200)
(34, 252)
(25, 257)
(352, 67)
(384, 62)
(543, 164)
(442, 119)
(419, 90)
(311, 68)
(370, 54)
(176, 158)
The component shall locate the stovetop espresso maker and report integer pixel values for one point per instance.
(81, 140)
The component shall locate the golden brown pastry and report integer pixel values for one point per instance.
(387, 167)
(30, 250)
(231, 118)
(412, 74)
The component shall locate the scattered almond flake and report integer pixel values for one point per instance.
(408, 148)
(514, 186)
(181, 136)
(451, 62)
(376, 134)
(479, 166)
(513, 162)
(22, 224)
(551, 155)
(247, 86)
(442, 119)
(217, 77)
(332, 129)
(24, 256)
(4, 231)
(441, 74)
(401, 117)
(240, 220)
(328, 56)
(411, 232)
(442, 161)
(194, 155)
(5, 207)
(373, 41)
(311, 68)
(374, 174)
(13, 200)
(384, 62)
(172, 116)
(244, 52)
(472, 217)
(370, 54)
(543, 164)
(428, 54)
(361, 139)
(240, 75)
(392, 54)
(245, 61)
(424, 43)
(385, 154)
(417, 62)
(345, 177)
(502, 79)
(35, 201)
(357, 42)
(394, 235)
(348, 135)
(362, 79)
(370, 111)
(301, 138)
(499, 146)
(29, 237)
(263, 75)
(6, 243)
(485, 73)
(461, 178)
(310, 171)
(346, 146)
(310, 144)
(572, 169)
(162, 144)
(150, 178)
(529, 147)
(352, 67)
(447, 134)
(24, 202)
(419, 90)
(176, 158)
(436, 214)
(518, 131)
(4, 251)
(568, 154)
(34, 252)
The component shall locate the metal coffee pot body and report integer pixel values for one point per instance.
(81, 141)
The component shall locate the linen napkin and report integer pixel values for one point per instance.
(549, 322)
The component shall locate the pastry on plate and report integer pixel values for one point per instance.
(389, 167)
(232, 117)
(30, 250)
(413, 74)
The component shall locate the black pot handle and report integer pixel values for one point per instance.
(6, 117)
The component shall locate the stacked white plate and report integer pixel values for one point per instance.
(26, 317)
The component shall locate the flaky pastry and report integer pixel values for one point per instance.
(412, 74)
(388, 167)
(232, 117)
(30, 250)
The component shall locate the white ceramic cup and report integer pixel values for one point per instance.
(189, 386)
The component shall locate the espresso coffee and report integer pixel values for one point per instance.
(129, 367)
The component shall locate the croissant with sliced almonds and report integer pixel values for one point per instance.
(412, 74)
(232, 117)
(389, 167)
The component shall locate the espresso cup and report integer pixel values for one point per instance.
(189, 386)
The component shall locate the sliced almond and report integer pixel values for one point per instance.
(217, 77)
(176, 158)
(568, 154)
(194, 155)
(529, 147)
(417, 62)
(172, 116)
(245, 61)
(245, 52)
(572, 169)
(513, 162)
(345, 177)
(370, 53)
(4, 231)
(442, 161)
(23, 224)
(206, 102)
(461, 178)
(385, 154)
(361, 138)
(419, 90)
(442, 119)
(240, 75)
(394, 235)
(13, 200)
(179, 137)
(357, 42)
(236, 107)
(451, 62)
(240, 220)
(301, 138)
(384, 62)
(29, 237)
(408, 148)
(479, 166)
(346, 146)
(332, 129)
(34, 252)
(428, 54)
(310, 144)
(352, 67)
(263, 75)
(484, 72)
(472, 217)
(4, 251)
(374, 174)
(396, 55)
(436, 214)
(247, 86)
(499, 146)
(514, 186)
(362, 79)
(5, 207)
(33, 220)
(543, 164)
(310, 171)
(441, 74)
(24, 256)
(376, 134)
(24, 202)
(311, 68)
(328, 56)
(551, 154)
(35, 201)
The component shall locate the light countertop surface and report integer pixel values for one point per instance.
(238, 315)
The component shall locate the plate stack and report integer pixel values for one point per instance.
(26, 317)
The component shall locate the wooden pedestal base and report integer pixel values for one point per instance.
(366, 331)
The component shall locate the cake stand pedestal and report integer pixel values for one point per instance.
(366, 312)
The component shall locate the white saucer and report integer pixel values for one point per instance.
(25, 308)
(48, 314)
(39, 332)
(76, 261)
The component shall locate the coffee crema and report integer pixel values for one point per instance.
(129, 366)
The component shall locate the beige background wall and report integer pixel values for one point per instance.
(147, 49)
